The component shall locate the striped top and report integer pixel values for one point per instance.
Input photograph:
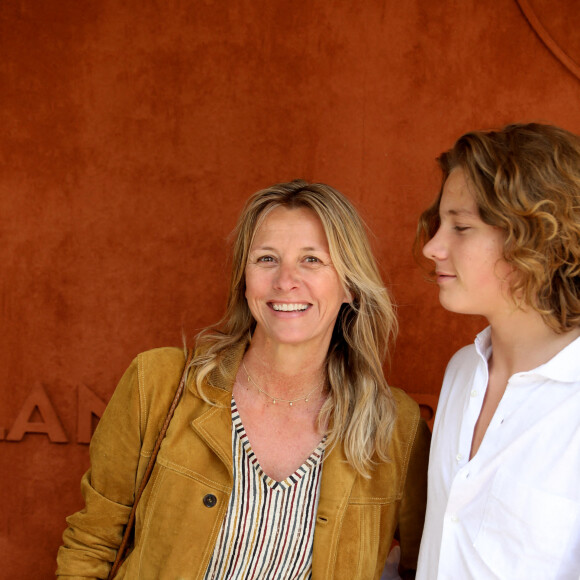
(268, 530)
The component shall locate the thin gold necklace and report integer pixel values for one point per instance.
(276, 399)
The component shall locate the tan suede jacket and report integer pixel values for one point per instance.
(182, 508)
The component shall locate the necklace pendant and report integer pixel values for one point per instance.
(290, 403)
(274, 401)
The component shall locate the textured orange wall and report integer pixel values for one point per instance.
(131, 132)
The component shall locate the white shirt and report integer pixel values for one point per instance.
(513, 511)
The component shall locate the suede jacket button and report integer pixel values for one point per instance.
(209, 500)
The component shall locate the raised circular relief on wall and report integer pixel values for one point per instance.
(557, 24)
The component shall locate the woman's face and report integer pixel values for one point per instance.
(292, 288)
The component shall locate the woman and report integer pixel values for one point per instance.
(504, 472)
(288, 456)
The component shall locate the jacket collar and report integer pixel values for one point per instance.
(214, 425)
(230, 360)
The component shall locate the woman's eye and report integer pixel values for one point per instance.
(265, 259)
(312, 260)
(461, 228)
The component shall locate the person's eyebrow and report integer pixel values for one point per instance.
(271, 249)
(460, 212)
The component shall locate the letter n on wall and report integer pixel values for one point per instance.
(89, 406)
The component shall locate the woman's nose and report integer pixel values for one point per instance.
(287, 277)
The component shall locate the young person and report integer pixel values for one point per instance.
(504, 469)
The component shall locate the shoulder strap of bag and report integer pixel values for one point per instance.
(131, 521)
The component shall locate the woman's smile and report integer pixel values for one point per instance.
(284, 307)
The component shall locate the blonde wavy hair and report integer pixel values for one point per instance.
(360, 409)
(526, 181)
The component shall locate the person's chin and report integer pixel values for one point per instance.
(450, 304)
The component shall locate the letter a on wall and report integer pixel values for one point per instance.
(50, 424)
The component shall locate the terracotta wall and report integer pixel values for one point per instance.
(131, 132)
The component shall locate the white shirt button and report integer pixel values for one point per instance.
(459, 457)
(474, 393)
(454, 519)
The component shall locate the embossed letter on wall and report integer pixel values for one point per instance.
(38, 415)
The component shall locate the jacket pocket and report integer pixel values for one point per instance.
(524, 530)
(178, 522)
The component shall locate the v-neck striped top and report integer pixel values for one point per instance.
(268, 530)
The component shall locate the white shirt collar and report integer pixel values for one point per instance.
(564, 367)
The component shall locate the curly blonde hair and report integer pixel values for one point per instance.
(360, 409)
(526, 181)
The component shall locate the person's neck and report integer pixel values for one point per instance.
(285, 369)
(522, 341)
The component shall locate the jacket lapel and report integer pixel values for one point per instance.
(215, 426)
